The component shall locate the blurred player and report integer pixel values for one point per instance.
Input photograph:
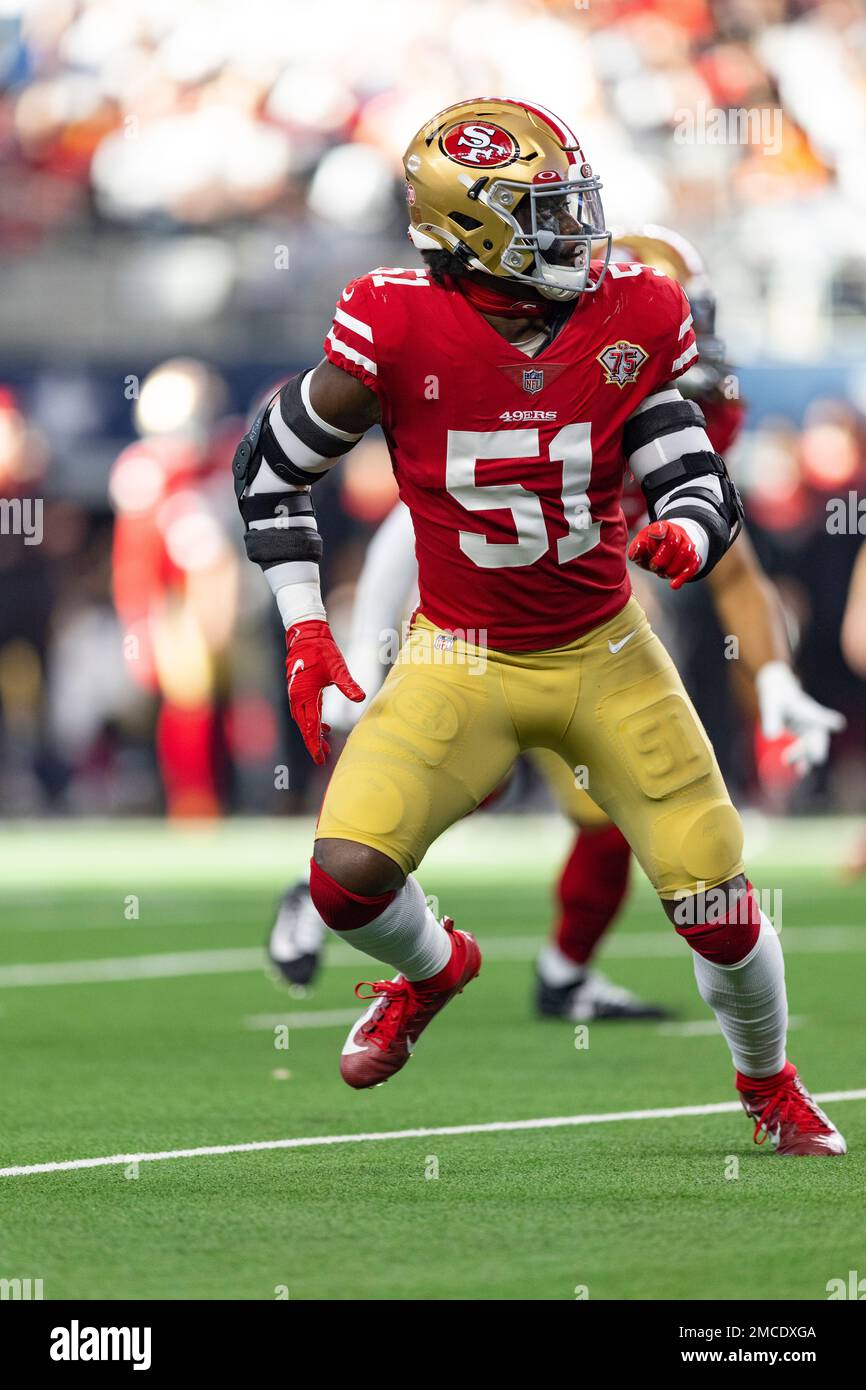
(512, 376)
(593, 883)
(853, 640)
(175, 573)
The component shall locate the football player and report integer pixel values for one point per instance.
(512, 375)
(594, 880)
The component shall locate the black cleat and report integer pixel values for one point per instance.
(591, 998)
(297, 936)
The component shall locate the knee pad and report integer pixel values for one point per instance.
(340, 909)
(698, 845)
(712, 843)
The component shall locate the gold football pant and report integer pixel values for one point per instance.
(451, 718)
(568, 788)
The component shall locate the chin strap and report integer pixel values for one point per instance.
(488, 299)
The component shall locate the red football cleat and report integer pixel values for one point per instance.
(384, 1038)
(784, 1111)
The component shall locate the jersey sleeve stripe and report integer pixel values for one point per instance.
(685, 326)
(685, 357)
(350, 354)
(363, 330)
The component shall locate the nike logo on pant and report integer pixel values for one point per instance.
(614, 647)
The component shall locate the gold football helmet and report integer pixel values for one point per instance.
(670, 253)
(504, 186)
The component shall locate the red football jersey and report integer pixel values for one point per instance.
(512, 467)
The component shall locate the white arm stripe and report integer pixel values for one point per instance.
(667, 449)
(683, 492)
(295, 450)
(659, 398)
(351, 355)
(685, 326)
(363, 330)
(317, 419)
(279, 523)
(685, 357)
(266, 480)
(292, 572)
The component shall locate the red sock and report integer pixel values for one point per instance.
(765, 1085)
(729, 939)
(448, 975)
(591, 888)
(185, 745)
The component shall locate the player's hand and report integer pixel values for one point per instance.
(667, 550)
(787, 709)
(313, 662)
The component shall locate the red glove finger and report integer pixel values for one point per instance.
(687, 574)
(666, 553)
(667, 550)
(345, 683)
(642, 547)
(688, 566)
(680, 560)
(306, 710)
(313, 662)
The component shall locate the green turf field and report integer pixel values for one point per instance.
(125, 1034)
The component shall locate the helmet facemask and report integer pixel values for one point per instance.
(555, 226)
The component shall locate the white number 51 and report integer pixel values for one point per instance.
(571, 445)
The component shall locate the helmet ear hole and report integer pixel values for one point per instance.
(469, 224)
(488, 245)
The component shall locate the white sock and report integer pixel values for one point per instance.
(406, 935)
(557, 969)
(750, 1003)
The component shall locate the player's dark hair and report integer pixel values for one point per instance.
(442, 264)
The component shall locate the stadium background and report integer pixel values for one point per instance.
(197, 180)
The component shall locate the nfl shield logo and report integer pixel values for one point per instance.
(533, 379)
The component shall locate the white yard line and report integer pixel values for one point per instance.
(441, 1131)
(325, 1018)
(333, 1018)
(705, 1028)
(175, 964)
(169, 964)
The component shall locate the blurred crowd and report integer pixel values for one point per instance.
(184, 186)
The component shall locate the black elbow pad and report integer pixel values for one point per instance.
(677, 486)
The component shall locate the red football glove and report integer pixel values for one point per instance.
(314, 661)
(667, 550)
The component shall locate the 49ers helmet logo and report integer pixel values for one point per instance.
(480, 145)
